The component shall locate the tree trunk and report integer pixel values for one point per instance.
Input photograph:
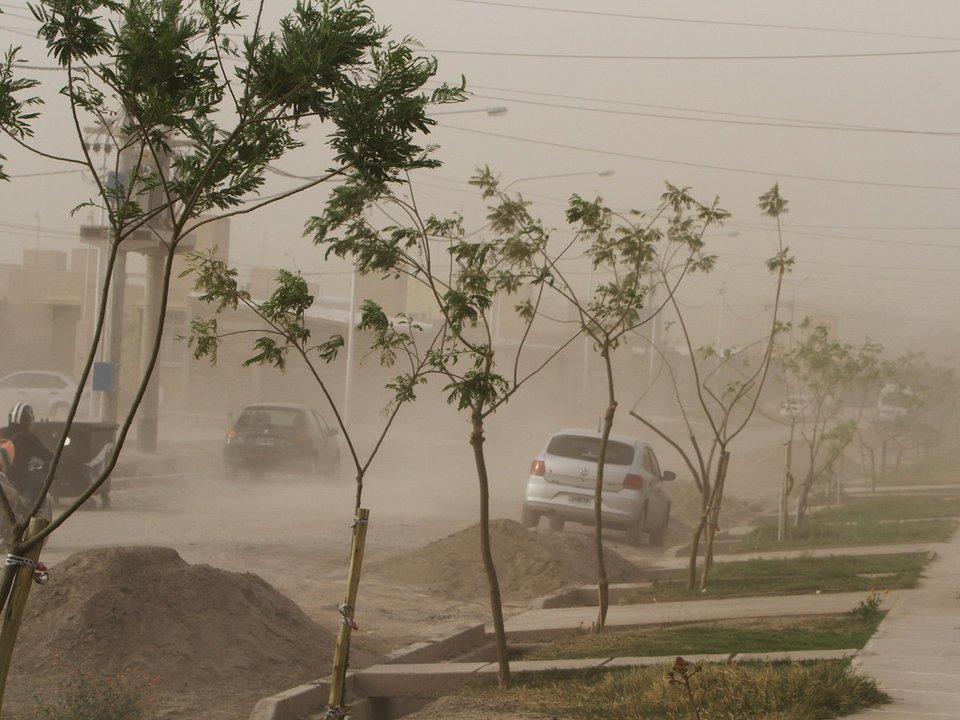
(714, 516)
(603, 583)
(694, 550)
(14, 610)
(803, 501)
(883, 464)
(706, 492)
(496, 603)
(784, 515)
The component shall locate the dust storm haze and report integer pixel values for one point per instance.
(852, 114)
(855, 115)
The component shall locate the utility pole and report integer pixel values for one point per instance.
(148, 415)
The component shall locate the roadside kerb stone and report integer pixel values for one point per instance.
(586, 595)
(414, 680)
(489, 671)
(548, 623)
(666, 660)
(795, 655)
(298, 701)
(450, 647)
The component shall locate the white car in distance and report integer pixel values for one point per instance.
(48, 393)
(562, 483)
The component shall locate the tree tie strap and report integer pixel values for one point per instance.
(40, 574)
(345, 617)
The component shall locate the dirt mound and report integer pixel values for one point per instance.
(529, 563)
(198, 633)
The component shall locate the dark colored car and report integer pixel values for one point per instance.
(280, 436)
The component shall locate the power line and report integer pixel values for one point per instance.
(45, 174)
(695, 21)
(629, 103)
(882, 241)
(798, 125)
(631, 156)
(830, 264)
(925, 228)
(18, 31)
(708, 58)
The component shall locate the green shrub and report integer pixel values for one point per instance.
(868, 610)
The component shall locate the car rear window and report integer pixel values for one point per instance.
(276, 417)
(578, 447)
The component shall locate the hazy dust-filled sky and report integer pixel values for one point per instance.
(852, 107)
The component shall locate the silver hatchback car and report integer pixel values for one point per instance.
(563, 478)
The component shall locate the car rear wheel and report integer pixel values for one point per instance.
(557, 523)
(658, 535)
(632, 531)
(231, 470)
(529, 518)
(310, 466)
(332, 468)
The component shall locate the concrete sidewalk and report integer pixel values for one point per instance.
(915, 654)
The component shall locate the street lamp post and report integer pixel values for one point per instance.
(598, 173)
(494, 111)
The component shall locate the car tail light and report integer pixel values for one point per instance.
(633, 481)
(231, 436)
(538, 468)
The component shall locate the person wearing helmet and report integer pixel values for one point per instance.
(30, 454)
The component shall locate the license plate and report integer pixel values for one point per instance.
(581, 499)
(264, 441)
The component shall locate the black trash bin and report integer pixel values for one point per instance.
(89, 443)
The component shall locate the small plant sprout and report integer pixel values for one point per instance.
(680, 676)
(868, 609)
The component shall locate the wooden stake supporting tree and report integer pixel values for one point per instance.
(341, 655)
(22, 583)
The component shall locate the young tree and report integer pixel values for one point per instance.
(479, 375)
(913, 402)
(726, 398)
(282, 330)
(195, 120)
(832, 378)
(628, 251)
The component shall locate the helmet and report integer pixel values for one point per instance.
(21, 414)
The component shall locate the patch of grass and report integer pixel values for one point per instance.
(786, 576)
(85, 696)
(816, 532)
(893, 508)
(767, 635)
(867, 521)
(936, 468)
(760, 691)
